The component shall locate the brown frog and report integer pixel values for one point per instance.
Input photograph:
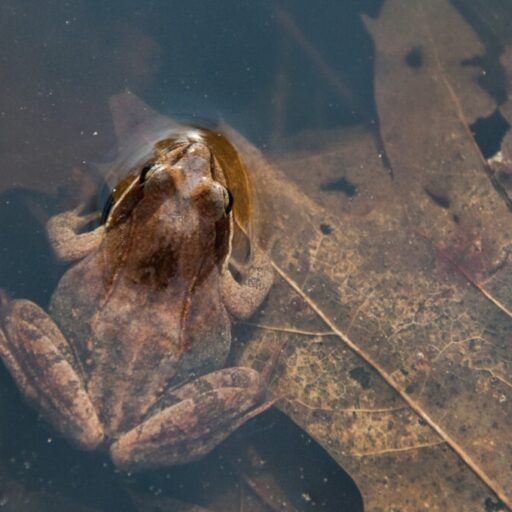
(131, 357)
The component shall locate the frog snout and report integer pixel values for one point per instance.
(200, 150)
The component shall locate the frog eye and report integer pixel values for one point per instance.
(143, 173)
(228, 201)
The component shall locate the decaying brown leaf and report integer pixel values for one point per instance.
(396, 292)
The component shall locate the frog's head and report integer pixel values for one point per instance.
(172, 220)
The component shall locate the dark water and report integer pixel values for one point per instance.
(271, 70)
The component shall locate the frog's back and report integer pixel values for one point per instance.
(132, 344)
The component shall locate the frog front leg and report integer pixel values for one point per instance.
(194, 418)
(41, 362)
(67, 243)
(243, 299)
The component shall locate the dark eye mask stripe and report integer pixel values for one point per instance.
(143, 173)
(107, 208)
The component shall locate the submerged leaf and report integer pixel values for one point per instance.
(396, 300)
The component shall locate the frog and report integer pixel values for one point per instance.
(130, 358)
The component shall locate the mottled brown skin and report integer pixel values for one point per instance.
(131, 357)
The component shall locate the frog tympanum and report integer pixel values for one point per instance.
(131, 357)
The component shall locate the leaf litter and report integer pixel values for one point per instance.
(412, 276)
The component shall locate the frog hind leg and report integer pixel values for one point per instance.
(205, 411)
(38, 357)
